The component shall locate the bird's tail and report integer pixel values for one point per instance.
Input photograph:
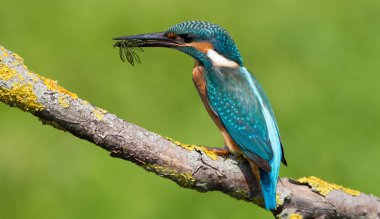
(268, 182)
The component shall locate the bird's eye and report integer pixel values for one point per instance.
(185, 37)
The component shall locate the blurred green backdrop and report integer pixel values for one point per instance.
(317, 60)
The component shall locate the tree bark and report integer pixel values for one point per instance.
(190, 166)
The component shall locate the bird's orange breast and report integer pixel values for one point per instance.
(200, 83)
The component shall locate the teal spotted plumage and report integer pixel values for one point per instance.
(233, 97)
(242, 106)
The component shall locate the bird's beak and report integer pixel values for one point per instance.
(151, 40)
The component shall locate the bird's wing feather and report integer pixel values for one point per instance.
(269, 107)
(232, 97)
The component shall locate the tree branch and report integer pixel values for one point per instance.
(190, 166)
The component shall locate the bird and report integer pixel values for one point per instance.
(232, 96)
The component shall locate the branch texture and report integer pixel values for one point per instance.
(190, 166)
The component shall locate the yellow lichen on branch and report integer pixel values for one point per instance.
(7, 73)
(63, 101)
(324, 188)
(22, 96)
(190, 147)
(99, 114)
(295, 216)
(53, 86)
(3, 53)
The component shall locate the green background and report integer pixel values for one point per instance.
(318, 61)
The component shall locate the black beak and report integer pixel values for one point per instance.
(151, 40)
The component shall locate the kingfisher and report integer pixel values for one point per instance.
(232, 96)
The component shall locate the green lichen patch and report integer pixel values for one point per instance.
(240, 194)
(190, 147)
(183, 179)
(324, 188)
(21, 96)
(244, 195)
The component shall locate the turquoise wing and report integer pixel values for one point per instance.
(235, 96)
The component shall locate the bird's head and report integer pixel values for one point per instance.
(208, 43)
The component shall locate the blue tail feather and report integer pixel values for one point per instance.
(268, 186)
(268, 180)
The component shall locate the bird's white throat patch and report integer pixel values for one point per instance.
(219, 60)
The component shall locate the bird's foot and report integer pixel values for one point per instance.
(224, 152)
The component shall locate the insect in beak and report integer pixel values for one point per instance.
(127, 50)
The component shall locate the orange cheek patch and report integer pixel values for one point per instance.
(201, 46)
(171, 35)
